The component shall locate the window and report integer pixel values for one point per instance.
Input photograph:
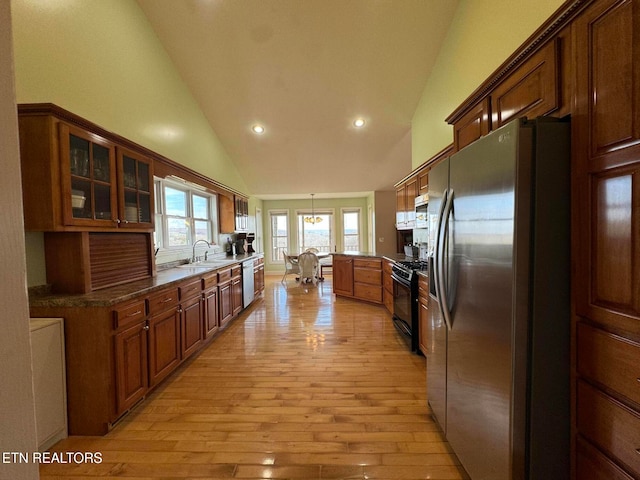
(279, 235)
(351, 229)
(183, 214)
(317, 235)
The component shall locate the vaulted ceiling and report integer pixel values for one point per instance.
(305, 70)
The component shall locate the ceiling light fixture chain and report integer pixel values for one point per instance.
(312, 219)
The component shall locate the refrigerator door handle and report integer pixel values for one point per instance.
(436, 262)
(443, 267)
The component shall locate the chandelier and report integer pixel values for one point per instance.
(312, 219)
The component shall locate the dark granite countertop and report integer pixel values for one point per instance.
(121, 293)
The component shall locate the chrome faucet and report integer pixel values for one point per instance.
(193, 253)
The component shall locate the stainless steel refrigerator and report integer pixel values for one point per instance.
(498, 356)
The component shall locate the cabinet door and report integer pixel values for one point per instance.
(226, 214)
(531, 90)
(210, 312)
(131, 366)
(401, 202)
(226, 305)
(135, 190)
(473, 125)
(411, 194)
(164, 344)
(342, 275)
(423, 181)
(88, 178)
(191, 325)
(236, 295)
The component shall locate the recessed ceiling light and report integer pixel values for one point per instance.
(358, 122)
(259, 129)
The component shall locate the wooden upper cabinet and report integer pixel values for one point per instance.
(423, 181)
(406, 193)
(607, 117)
(88, 178)
(607, 73)
(226, 214)
(531, 90)
(74, 179)
(135, 190)
(472, 125)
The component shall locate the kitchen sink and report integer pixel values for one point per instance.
(207, 264)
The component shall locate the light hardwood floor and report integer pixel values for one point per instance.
(300, 386)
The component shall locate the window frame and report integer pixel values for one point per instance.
(287, 236)
(344, 211)
(161, 233)
(330, 212)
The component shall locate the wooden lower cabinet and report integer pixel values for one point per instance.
(258, 276)
(423, 313)
(225, 297)
(191, 315)
(116, 354)
(211, 317)
(131, 365)
(164, 344)
(358, 277)
(387, 284)
(236, 290)
(343, 275)
(591, 464)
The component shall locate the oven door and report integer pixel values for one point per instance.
(402, 314)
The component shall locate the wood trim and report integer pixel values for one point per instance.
(561, 18)
(163, 165)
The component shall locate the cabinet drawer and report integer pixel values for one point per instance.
(609, 424)
(129, 313)
(210, 281)
(423, 287)
(163, 301)
(610, 360)
(224, 275)
(593, 465)
(367, 275)
(367, 263)
(236, 271)
(368, 292)
(190, 289)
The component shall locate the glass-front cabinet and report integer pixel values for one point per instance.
(89, 193)
(104, 185)
(135, 189)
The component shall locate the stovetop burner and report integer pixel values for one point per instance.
(420, 265)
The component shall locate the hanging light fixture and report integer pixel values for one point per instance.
(312, 219)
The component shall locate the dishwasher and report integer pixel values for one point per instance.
(247, 283)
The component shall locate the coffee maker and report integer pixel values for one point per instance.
(250, 238)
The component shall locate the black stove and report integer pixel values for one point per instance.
(417, 265)
(405, 299)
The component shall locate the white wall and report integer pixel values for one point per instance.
(17, 427)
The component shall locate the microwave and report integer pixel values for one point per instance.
(421, 207)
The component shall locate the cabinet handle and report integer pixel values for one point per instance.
(117, 220)
(166, 300)
(179, 310)
(134, 313)
(146, 327)
(123, 221)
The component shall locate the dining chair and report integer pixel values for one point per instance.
(308, 263)
(312, 250)
(290, 266)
